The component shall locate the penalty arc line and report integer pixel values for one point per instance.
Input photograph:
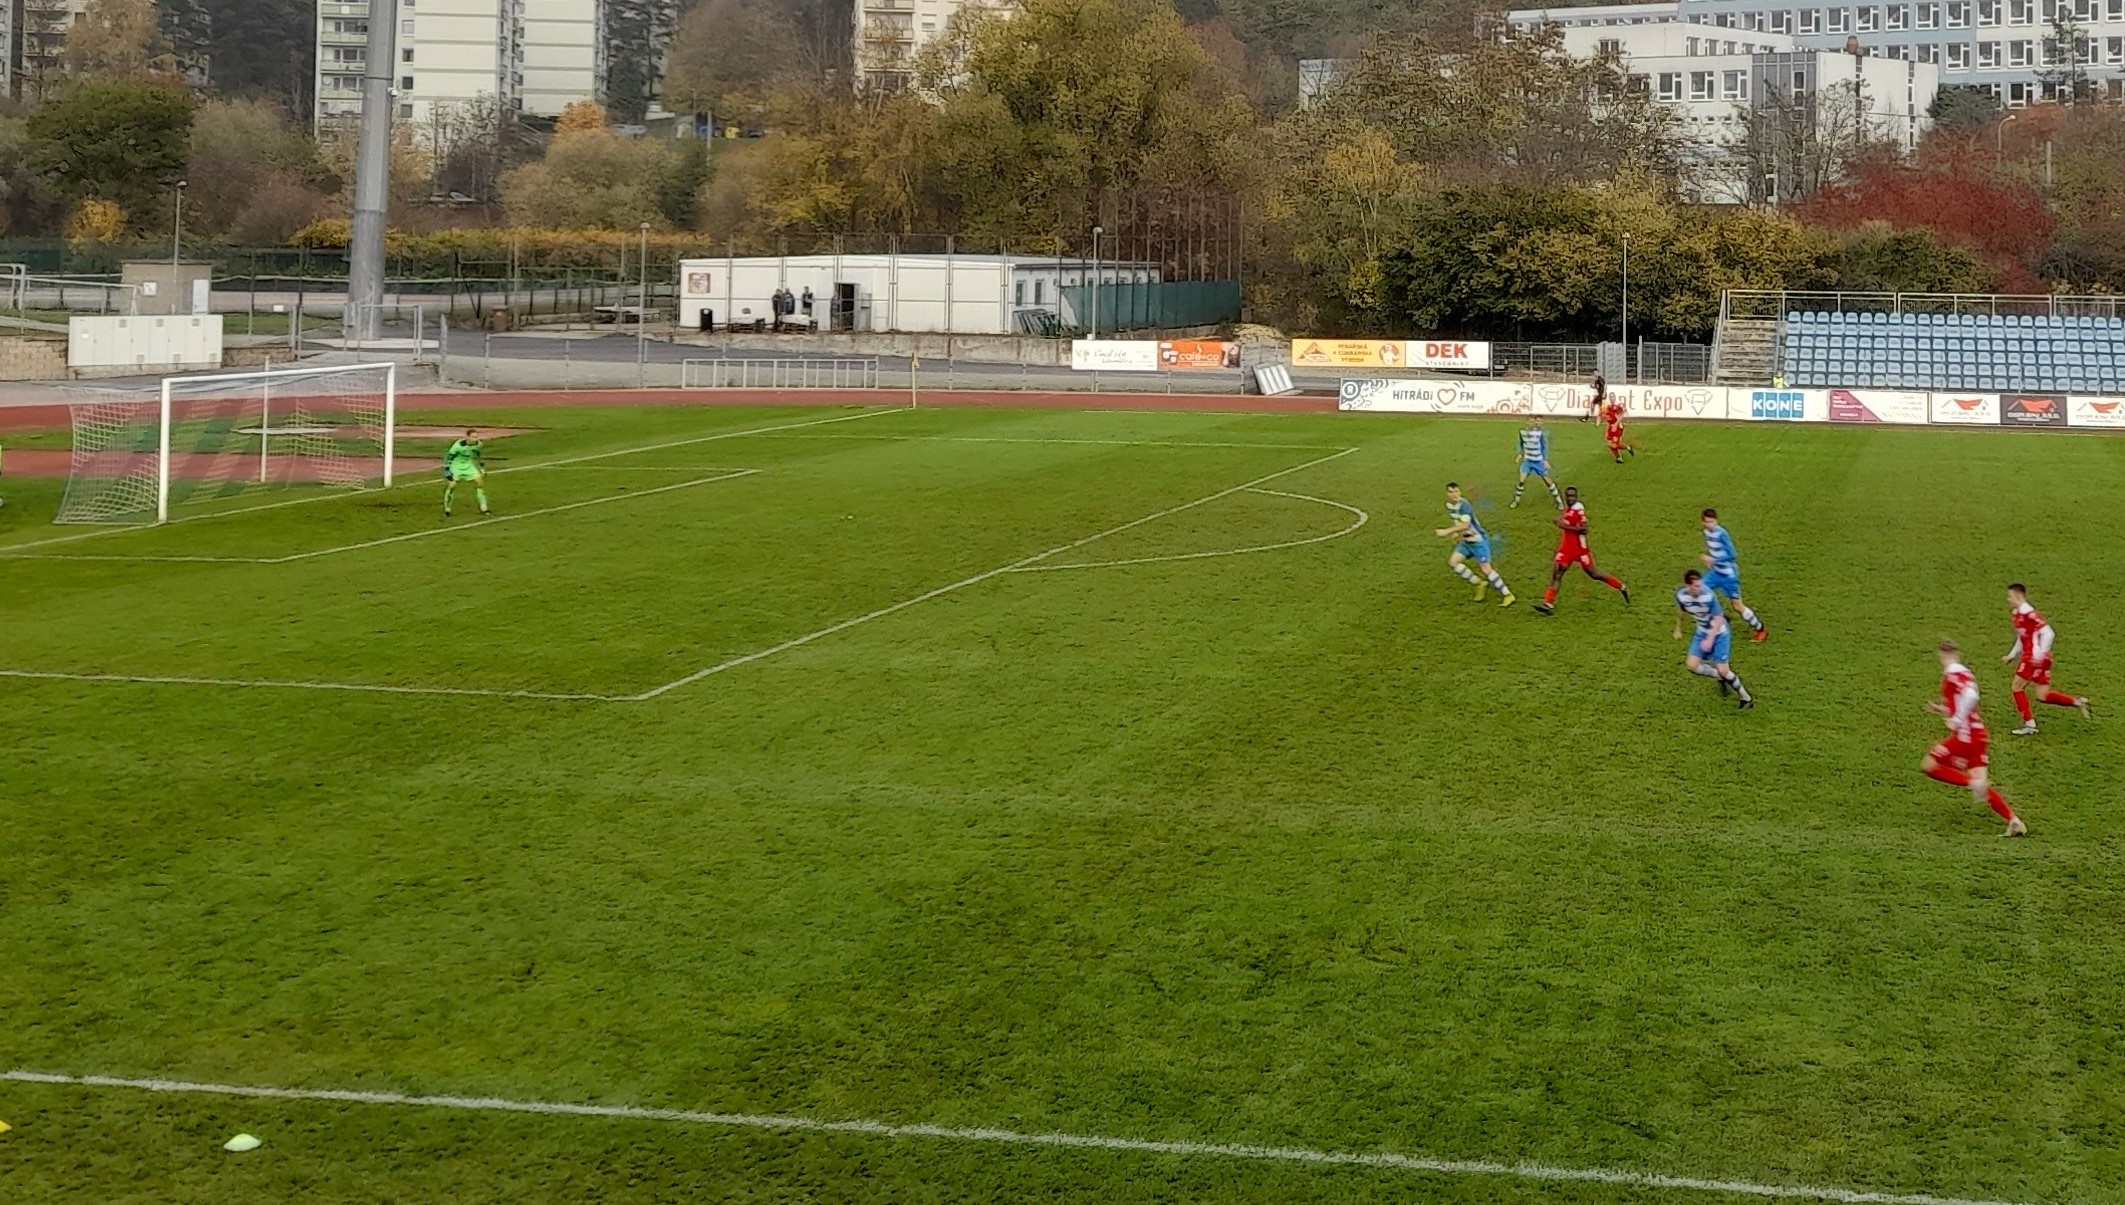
(469, 525)
(1384, 1160)
(1361, 520)
(963, 583)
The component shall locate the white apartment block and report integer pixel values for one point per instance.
(1719, 83)
(890, 33)
(532, 56)
(36, 30)
(2003, 46)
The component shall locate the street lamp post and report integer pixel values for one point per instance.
(1096, 232)
(642, 310)
(1999, 137)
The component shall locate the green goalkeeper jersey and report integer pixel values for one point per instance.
(464, 454)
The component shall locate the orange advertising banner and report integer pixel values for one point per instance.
(1349, 353)
(1198, 353)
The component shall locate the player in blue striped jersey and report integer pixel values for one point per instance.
(1711, 640)
(1471, 543)
(1534, 460)
(1722, 571)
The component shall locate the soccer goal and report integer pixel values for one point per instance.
(200, 438)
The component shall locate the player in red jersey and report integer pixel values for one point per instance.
(1573, 550)
(1612, 424)
(2032, 646)
(1598, 400)
(1961, 759)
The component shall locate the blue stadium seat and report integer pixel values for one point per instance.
(1992, 352)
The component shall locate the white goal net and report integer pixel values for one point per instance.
(200, 438)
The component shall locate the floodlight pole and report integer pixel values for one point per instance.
(372, 173)
(642, 318)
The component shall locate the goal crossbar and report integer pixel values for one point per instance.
(265, 378)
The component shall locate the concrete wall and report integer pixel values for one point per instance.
(27, 358)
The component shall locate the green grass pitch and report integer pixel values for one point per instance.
(1299, 847)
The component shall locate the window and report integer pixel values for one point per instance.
(1734, 85)
(1840, 20)
(2114, 51)
(1724, 20)
(1810, 20)
(1988, 12)
(1671, 85)
(1958, 56)
(406, 55)
(1958, 14)
(1929, 16)
(1929, 52)
(1689, 47)
(1700, 85)
(1611, 46)
(1899, 16)
(1869, 19)
(2020, 93)
(1726, 48)
(2050, 8)
(1756, 21)
(406, 27)
(2021, 53)
(1893, 51)
(405, 112)
(1988, 56)
(405, 83)
(348, 54)
(1640, 84)
(2021, 12)
(1018, 293)
(1782, 22)
(2115, 10)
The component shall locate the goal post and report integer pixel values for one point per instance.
(137, 456)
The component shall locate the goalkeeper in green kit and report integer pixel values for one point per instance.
(463, 462)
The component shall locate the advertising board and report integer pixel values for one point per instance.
(1114, 355)
(1878, 406)
(1191, 354)
(1966, 409)
(1779, 405)
(1433, 397)
(1348, 353)
(2097, 412)
(2045, 411)
(1429, 353)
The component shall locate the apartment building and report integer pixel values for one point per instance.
(890, 33)
(2004, 46)
(36, 35)
(531, 56)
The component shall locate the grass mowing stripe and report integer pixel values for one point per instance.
(883, 1129)
(424, 479)
(469, 525)
(276, 684)
(963, 583)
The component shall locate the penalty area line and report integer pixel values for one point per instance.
(1379, 1160)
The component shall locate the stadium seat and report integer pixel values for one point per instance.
(1992, 352)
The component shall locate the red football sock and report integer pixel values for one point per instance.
(1550, 595)
(1949, 775)
(2021, 703)
(1612, 583)
(2059, 700)
(1999, 803)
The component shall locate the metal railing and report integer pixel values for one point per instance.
(779, 374)
(1777, 303)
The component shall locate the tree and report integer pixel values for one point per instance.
(1518, 109)
(241, 150)
(580, 117)
(120, 40)
(636, 34)
(1962, 108)
(590, 180)
(95, 221)
(1963, 203)
(264, 48)
(678, 190)
(729, 57)
(1878, 259)
(473, 143)
(1795, 143)
(2065, 75)
(122, 142)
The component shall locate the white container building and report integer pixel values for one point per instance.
(917, 294)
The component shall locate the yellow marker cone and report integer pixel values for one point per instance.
(4, 1127)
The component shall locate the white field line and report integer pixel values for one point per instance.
(416, 479)
(1385, 1160)
(467, 525)
(1122, 443)
(278, 684)
(1360, 521)
(697, 675)
(963, 583)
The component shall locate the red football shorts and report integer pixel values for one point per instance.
(1965, 755)
(1575, 555)
(2038, 672)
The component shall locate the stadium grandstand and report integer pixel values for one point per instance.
(1920, 341)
